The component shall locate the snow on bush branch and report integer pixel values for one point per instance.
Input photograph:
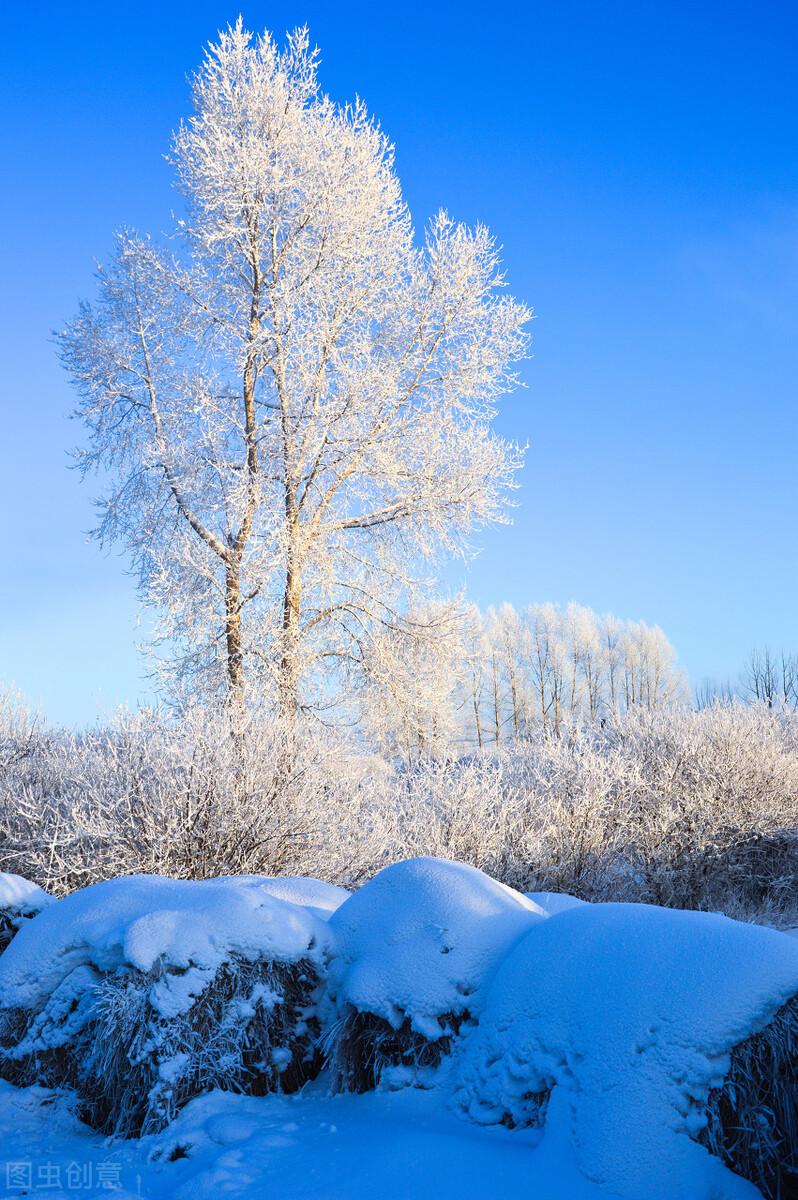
(689, 809)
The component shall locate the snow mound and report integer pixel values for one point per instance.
(185, 929)
(19, 901)
(609, 1026)
(21, 895)
(141, 992)
(414, 947)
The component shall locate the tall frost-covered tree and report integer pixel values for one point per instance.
(292, 400)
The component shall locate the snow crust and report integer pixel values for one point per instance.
(419, 940)
(627, 1012)
(20, 895)
(181, 931)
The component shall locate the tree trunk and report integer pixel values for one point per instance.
(235, 656)
(289, 659)
(477, 722)
(513, 693)
(496, 717)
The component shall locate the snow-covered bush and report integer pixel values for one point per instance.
(19, 901)
(614, 1026)
(668, 806)
(684, 809)
(414, 949)
(140, 993)
(185, 799)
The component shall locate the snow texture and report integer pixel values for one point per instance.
(308, 1146)
(19, 901)
(627, 1013)
(321, 898)
(20, 895)
(553, 903)
(419, 940)
(181, 930)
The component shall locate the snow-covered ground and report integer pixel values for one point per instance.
(579, 1042)
(384, 1145)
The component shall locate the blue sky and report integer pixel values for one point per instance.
(639, 164)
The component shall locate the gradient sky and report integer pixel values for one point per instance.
(639, 164)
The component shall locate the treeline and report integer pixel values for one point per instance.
(768, 677)
(452, 677)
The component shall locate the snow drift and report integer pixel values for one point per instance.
(141, 992)
(610, 1026)
(19, 901)
(414, 949)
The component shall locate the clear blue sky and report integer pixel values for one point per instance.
(639, 163)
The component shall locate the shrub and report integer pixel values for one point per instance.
(667, 806)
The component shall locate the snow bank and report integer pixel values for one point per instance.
(414, 947)
(609, 1025)
(19, 901)
(142, 991)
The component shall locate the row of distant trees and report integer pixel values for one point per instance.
(769, 677)
(452, 675)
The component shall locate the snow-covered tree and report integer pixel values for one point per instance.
(414, 678)
(547, 668)
(293, 400)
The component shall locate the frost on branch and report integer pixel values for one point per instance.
(294, 407)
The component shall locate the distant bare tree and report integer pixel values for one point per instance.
(771, 678)
(711, 691)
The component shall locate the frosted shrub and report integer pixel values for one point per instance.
(180, 798)
(685, 809)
